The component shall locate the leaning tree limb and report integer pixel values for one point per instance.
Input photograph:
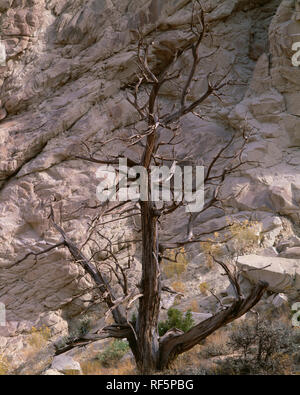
(98, 278)
(172, 346)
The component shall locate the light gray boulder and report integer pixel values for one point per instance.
(280, 300)
(282, 275)
(167, 300)
(291, 242)
(293, 252)
(66, 365)
(270, 251)
(52, 372)
(199, 317)
(245, 286)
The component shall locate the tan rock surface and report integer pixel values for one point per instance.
(67, 67)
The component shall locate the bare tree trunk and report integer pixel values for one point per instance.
(151, 288)
(148, 337)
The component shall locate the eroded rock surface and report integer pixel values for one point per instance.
(64, 70)
(282, 274)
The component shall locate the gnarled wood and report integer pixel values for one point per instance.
(171, 347)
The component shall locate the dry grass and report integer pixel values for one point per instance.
(4, 366)
(114, 359)
(178, 286)
(219, 338)
(39, 337)
(37, 341)
(193, 306)
(244, 236)
(204, 287)
(215, 344)
(194, 361)
(95, 368)
(176, 264)
(190, 358)
(286, 364)
(191, 362)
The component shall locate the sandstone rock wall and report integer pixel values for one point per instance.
(64, 70)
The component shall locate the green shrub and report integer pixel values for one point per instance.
(113, 353)
(133, 319)
(176, 320)
(83, 326)
(80, 329)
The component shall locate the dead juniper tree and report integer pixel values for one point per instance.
(156, 141)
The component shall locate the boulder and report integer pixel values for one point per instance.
(52, 372)
(245, 286)
(279, 300)
(293, 241)
(293, 252)
(270, 251)
(167, 300)
(66, 365)
(199, 317)
(282, 274)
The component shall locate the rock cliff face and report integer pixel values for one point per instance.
(64, 70)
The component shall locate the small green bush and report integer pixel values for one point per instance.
(80, 329)
(176, 320)
(113, 353)
(83, 326)
(133, 319)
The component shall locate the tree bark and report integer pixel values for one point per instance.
(149, 304)
(173, 345)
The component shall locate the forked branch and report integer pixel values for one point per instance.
(172, 346)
